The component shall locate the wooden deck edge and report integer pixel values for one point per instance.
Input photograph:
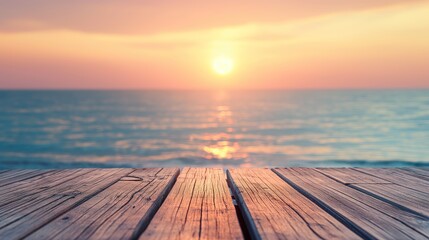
(244, 211)
(347, 222)
(248, 223)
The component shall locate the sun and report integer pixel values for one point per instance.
(222, 65)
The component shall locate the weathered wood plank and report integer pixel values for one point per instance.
(370, 216)
(198, 207)
(422, 173)
(119, 212)
(18, 172)
(404, 197)
(349, 176)
(13, 176)
(275, 210)
(395, 176)
(91, 203)
(31, 187)
(10, 173)
(26, 214)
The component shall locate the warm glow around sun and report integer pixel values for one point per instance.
(318, 44)
(222, 65)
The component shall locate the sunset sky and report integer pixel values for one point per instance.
(194, 44)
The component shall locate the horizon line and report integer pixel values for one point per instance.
(210, 89)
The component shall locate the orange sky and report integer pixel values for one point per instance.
(171, 44)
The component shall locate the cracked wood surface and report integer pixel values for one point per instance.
(36, 205)
(166, 203)
(121, 211)
(399, 178)
(369, 216)
(13, 176)
(275, 210)
(422, 173)
(406, 197)
(198, 207)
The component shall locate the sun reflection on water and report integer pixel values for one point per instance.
(221, 150)
(219, 145)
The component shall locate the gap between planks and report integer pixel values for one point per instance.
(121, 211)
(410, 199)
(355, 184)
(274, 210)
(370, 217)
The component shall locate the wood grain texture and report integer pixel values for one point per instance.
(371, 217)
(119, 212)
(12, 176)
(4, 174)
(49, 199)
(351, 176)
(295, 203)
(198, 207)
(274, 210)
(398, 177)
(35, 186)
(404, 197)
(422, 173)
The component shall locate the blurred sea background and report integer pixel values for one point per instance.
(313, 128)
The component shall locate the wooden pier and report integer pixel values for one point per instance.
(208, 203)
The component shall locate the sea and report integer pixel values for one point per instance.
(163, 128)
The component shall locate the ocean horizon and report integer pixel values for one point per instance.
(252, 128)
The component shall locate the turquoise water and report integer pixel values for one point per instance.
(62, 129)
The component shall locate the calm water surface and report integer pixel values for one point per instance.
(59, 129)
